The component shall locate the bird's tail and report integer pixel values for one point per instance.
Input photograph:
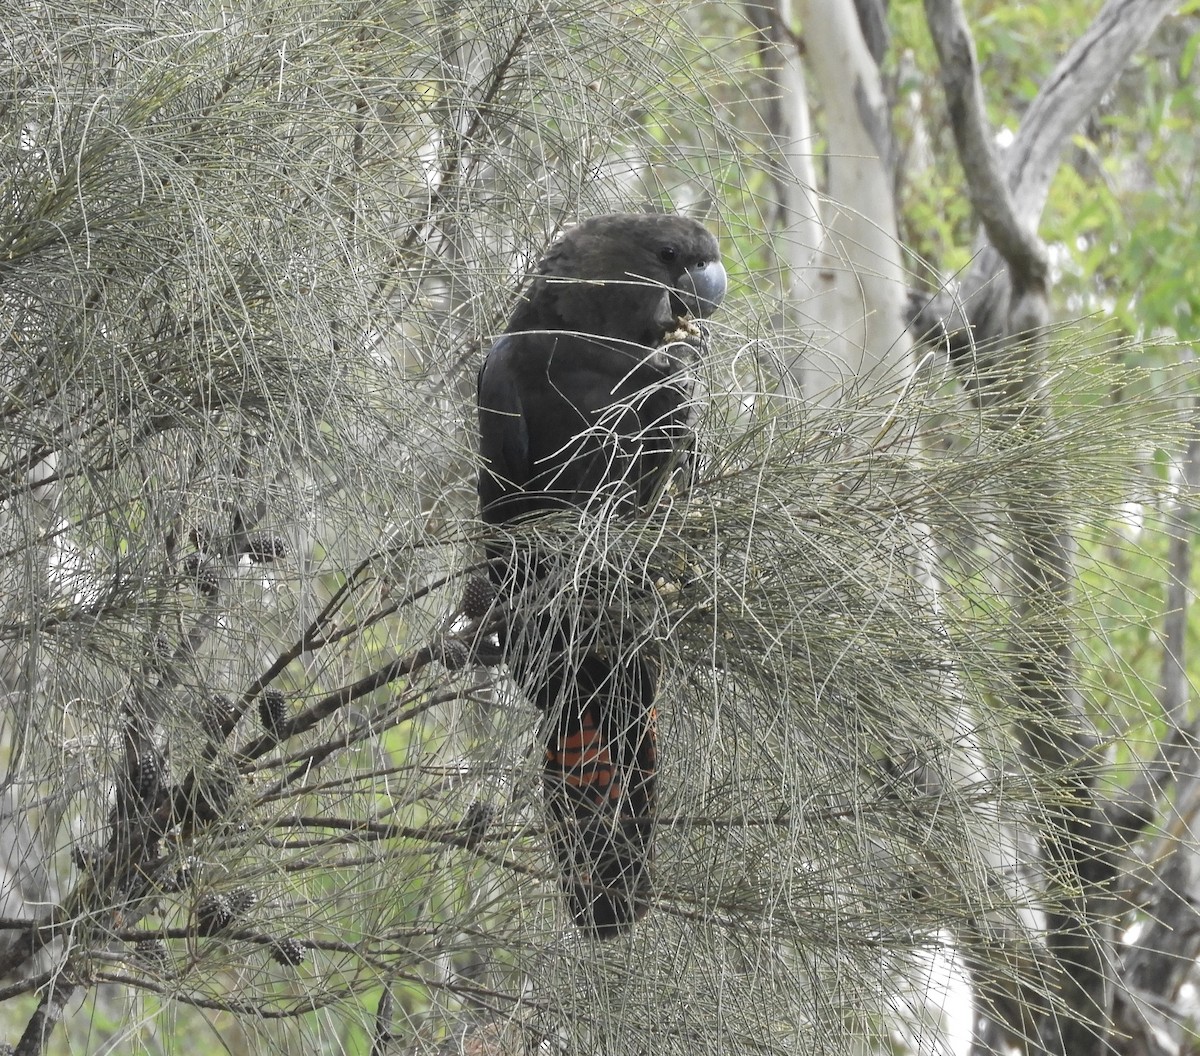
(600, 779)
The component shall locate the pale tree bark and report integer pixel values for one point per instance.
(844, 281)
(846, 286)
(995, 332)
(998, 341)
(25, 883)
(797, 205)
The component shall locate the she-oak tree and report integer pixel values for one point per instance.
(263, 775)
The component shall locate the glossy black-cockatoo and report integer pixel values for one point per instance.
(586, 401)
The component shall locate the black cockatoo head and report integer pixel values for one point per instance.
(629, 276)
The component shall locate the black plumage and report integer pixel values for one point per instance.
(586, 402)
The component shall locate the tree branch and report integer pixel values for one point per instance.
(43, 1021)
(1012, 235)
(1070, 93)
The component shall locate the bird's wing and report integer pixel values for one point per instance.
(503, 430)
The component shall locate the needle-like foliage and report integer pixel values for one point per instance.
(269, 777)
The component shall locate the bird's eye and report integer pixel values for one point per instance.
(666, 254)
